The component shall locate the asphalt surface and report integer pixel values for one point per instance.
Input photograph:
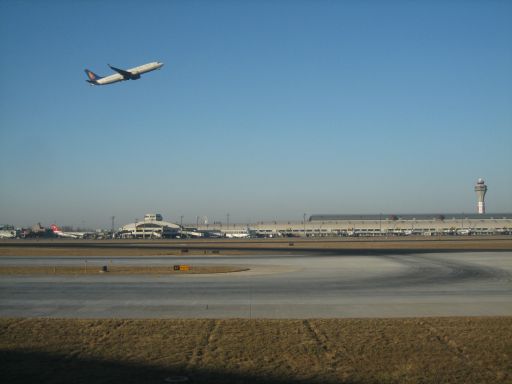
(291, 286)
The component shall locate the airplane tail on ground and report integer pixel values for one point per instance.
(92, 77)
(54, 228)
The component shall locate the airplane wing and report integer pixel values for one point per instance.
(122, 72)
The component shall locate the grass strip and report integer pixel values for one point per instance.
(415, 350)
(94, 269)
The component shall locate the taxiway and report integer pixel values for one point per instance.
(276, 286)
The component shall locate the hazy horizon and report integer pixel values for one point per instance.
(263, 110)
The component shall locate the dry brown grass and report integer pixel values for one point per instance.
(92, 269)
(79, 249)
(427, 350)
(57, 247)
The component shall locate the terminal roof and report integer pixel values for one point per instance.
(408, 216)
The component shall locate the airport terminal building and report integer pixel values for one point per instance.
(379, 225)
(151, 227)
(328, 225)
(323, 225)
(419, 224)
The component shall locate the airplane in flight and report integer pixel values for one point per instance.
(122, 74)
(72, 235)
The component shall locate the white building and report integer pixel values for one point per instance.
(151, 227)
(378, 225)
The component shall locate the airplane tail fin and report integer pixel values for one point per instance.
(92, 76)
(54, 228)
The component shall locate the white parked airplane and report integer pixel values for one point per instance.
(122, 74)
(190, 233)
(72, 235)
(7, 233)
(236, 234)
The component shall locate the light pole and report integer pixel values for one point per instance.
(304, 225)
(181, 221)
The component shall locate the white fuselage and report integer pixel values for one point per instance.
(135, 71)
(191, 233)
(68, 234)
(73, 235)
(236, 235)
(7, 234)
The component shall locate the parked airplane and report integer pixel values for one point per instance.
(122, 74)
(236, 234)
(7, 232)
(190, 233)
(211, 234)
(72, 235)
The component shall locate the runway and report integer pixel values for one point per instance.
(276, 286)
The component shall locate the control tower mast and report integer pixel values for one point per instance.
(480, 189)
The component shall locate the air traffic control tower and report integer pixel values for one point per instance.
(480, 189)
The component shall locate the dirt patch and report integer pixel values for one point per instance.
(94, 269)
(81, 249)
(203, 247)
(426, 350)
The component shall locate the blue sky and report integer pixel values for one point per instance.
(264, 109)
